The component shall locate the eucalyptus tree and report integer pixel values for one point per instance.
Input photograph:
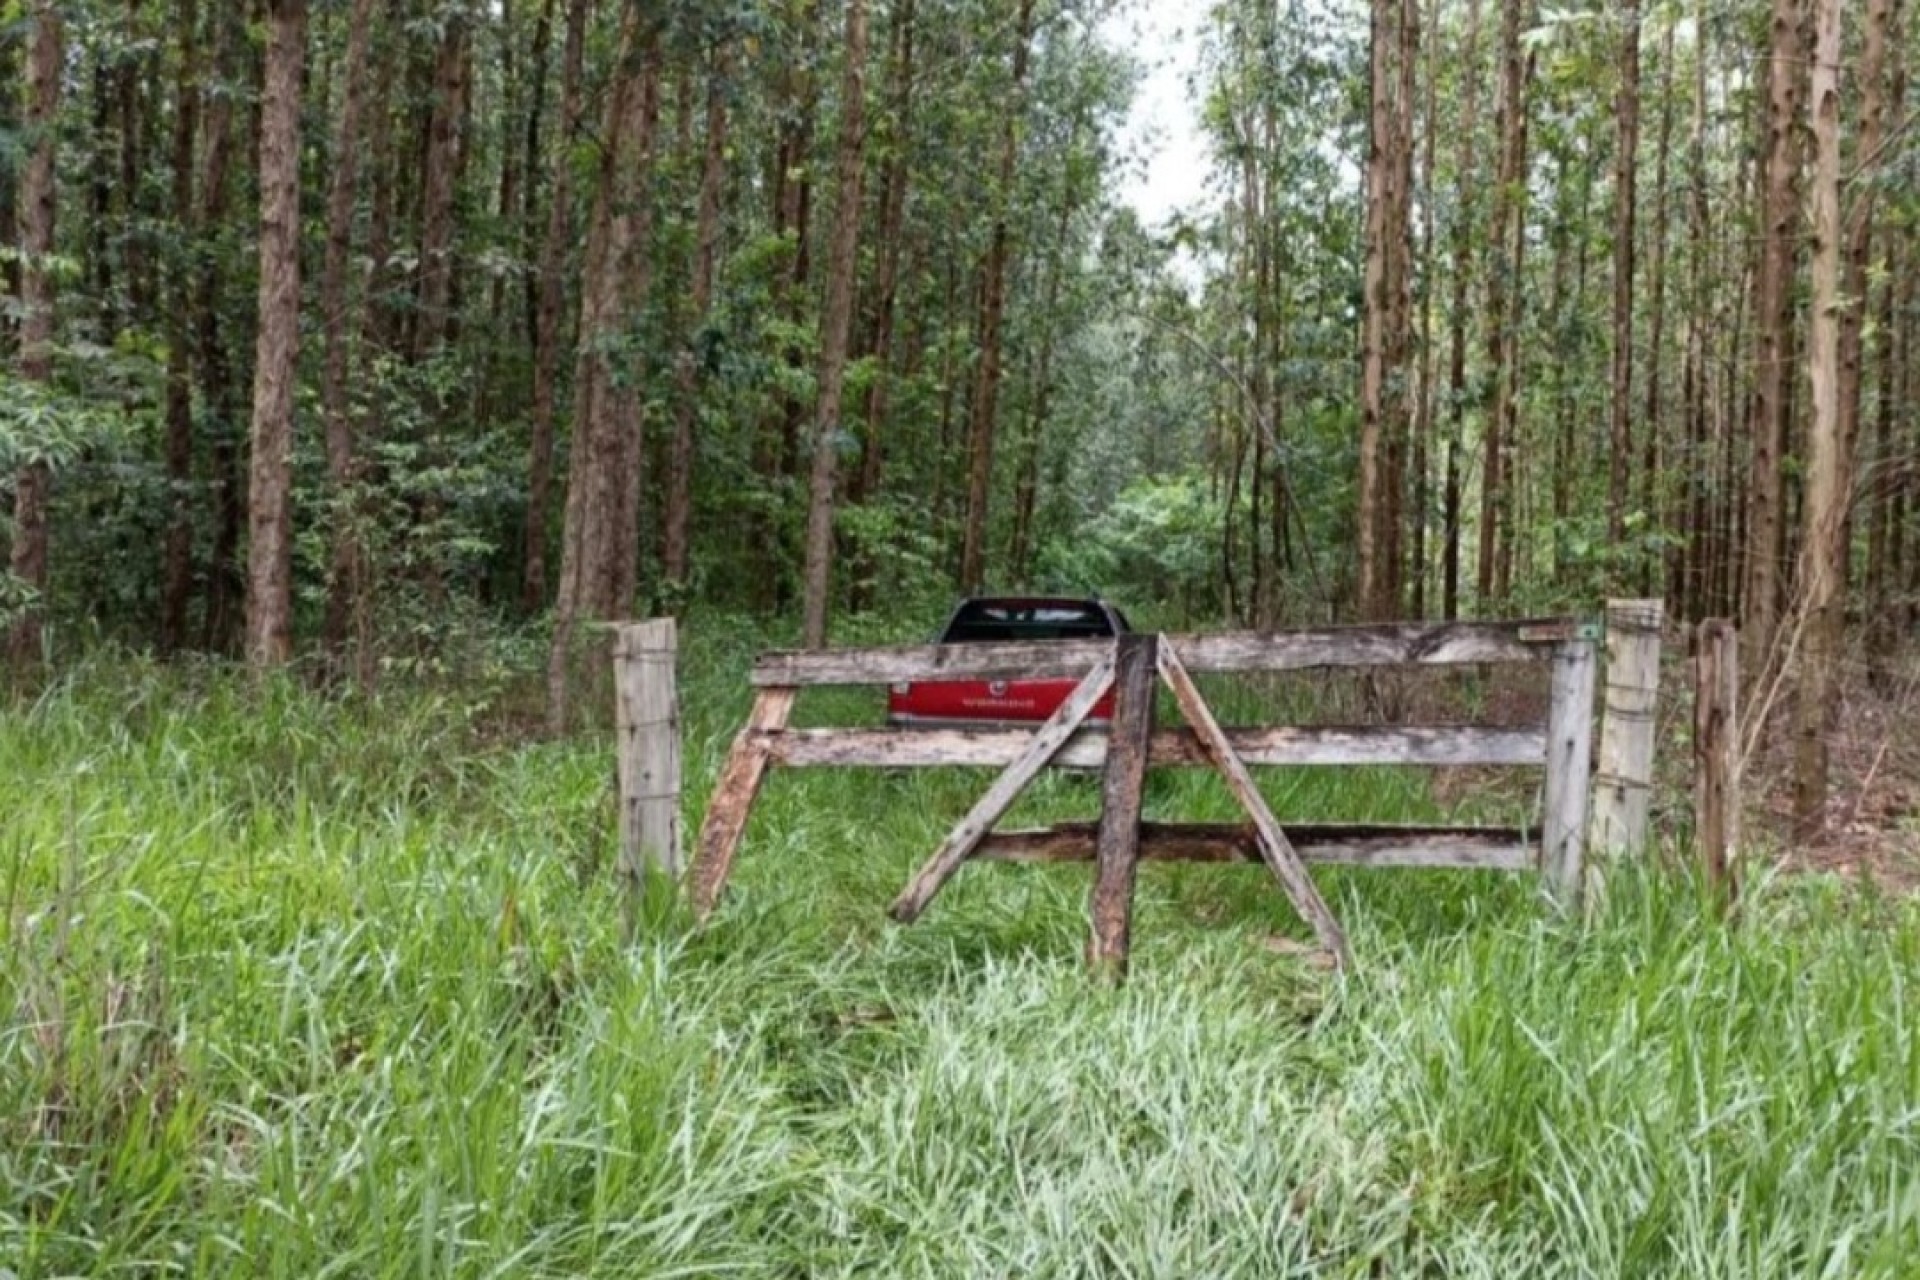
(270, 490)
(38, 189)
(1772, 402)
(836, 326)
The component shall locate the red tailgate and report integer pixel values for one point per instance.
(1002, 619)
(965, 701)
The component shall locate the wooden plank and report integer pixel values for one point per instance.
(1439, 745)
(647, 721)
(733, 797)
(1409, 644)
(1463, 848)
(1716, 758)
(1623, 774)
(1278, 853)
(1029, 659)
(1000, 797)
(1569, 759)
(1414, 644)
(1117, 842)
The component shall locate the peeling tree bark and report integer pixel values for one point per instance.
(1822, 552)
(1773, 379)
(601, 514)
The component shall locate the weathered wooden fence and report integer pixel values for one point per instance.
(1132, 666)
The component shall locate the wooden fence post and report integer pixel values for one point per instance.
(1623, 776)
(1716, 768)
(1569, 758)
(1117, 846)
(647, 720)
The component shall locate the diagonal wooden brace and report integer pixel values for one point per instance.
(960, 842)
(733, 796)
(1117, 846)
(1278, 852)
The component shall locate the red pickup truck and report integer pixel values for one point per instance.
(984, 620)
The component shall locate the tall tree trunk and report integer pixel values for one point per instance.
(98, 225)
(434, 314)
(1502, 289)
(1509, 524)
(131, 77)
(1822, 552)
(1897, 295)
(32, 483)
(1560, 375)
(1857, 248)
(1461, 254)
(219, 392)
(1625, 168)
(10, 105)
(706, 254)
(630, 416)
(897, 141)
(177, 560)
(1040, 391)
(548, 317)
(836, 328)
(1671, 519)
(1695, 376)
(993, 301)
(598, 511)
(345, 582)
(270, 488)
(533, 134)
(1773, 381)
(444, 140)
(1383, 341)
(1423, 425)
(515, 92)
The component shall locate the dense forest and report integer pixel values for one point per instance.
(334, 325)
(364, 360)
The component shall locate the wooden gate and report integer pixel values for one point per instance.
(1131, 666)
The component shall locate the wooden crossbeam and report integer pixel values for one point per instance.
(1349, 845)
(1278, 852)
(953, 851)
(1425, 644)
(1435, 745)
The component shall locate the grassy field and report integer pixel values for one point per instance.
(300, 989)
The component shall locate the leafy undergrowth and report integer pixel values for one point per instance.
(300, 989)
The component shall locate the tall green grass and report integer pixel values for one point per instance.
(291, 988)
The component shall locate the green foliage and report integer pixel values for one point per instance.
(1159, 542)
(42, 424)
(292, 987)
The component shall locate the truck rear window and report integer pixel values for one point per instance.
(982, 622)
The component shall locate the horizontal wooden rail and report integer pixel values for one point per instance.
(1087, 749)
(1445, 643)
(1483, 848)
